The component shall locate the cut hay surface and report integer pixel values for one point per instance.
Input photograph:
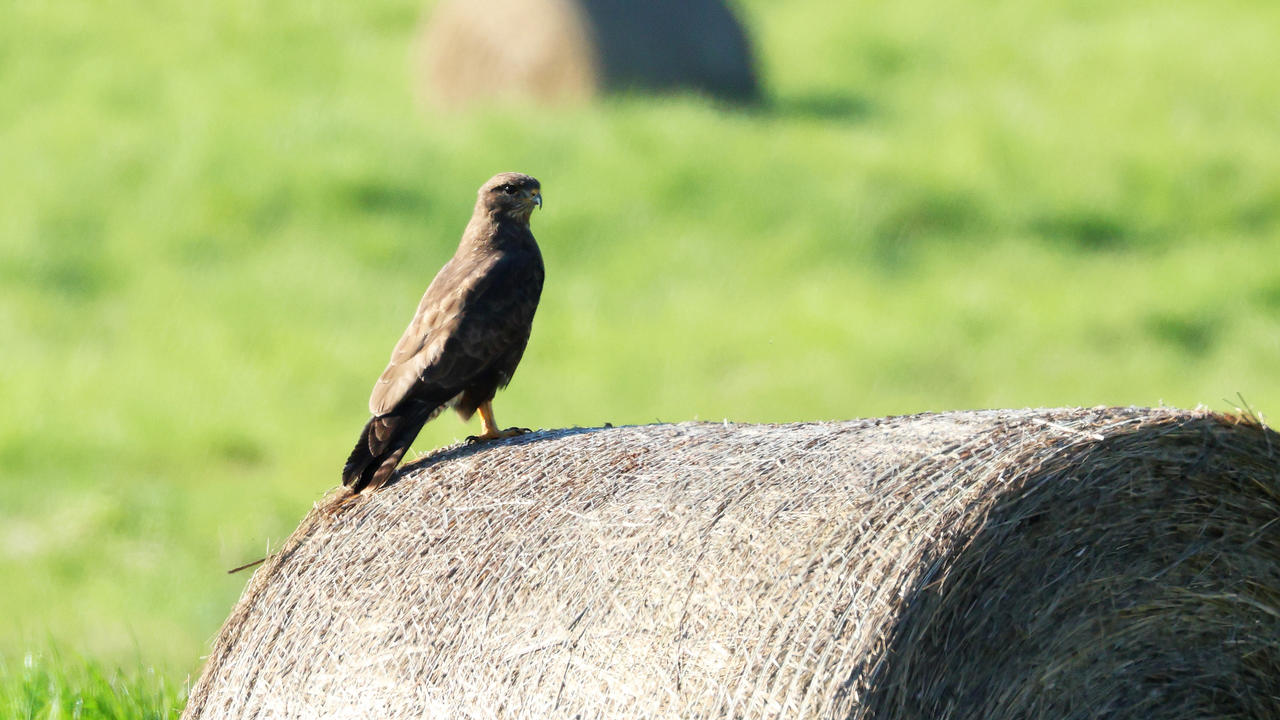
(1120, 563)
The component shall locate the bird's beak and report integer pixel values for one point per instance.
(537, 199)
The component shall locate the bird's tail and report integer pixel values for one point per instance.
(382, 445)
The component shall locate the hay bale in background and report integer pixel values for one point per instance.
(1002, 564)
(564, 50)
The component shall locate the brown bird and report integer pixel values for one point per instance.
(466, 338)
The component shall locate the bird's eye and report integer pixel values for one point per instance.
(509, 189)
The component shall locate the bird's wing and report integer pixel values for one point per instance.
(500, 316)
(460, 327)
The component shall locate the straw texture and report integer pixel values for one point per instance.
(1119, 563)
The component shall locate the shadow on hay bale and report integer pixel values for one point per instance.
(1120, 563)
(564, 50)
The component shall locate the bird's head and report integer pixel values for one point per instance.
(510, 195)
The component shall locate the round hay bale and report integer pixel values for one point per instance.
(566, 50)
(1120, 563)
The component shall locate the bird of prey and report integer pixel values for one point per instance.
(466, 338)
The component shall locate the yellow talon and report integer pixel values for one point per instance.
(489, 427)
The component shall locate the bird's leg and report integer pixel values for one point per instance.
(489, 427)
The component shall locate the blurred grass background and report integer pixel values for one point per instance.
(216, 219)
(53, 686)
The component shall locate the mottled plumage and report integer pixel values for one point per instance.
(467, 336)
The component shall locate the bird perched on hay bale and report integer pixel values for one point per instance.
(564, 50)
(998, 565)
(466, 338)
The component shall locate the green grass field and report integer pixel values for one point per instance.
(215, 220)
(51, 686)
